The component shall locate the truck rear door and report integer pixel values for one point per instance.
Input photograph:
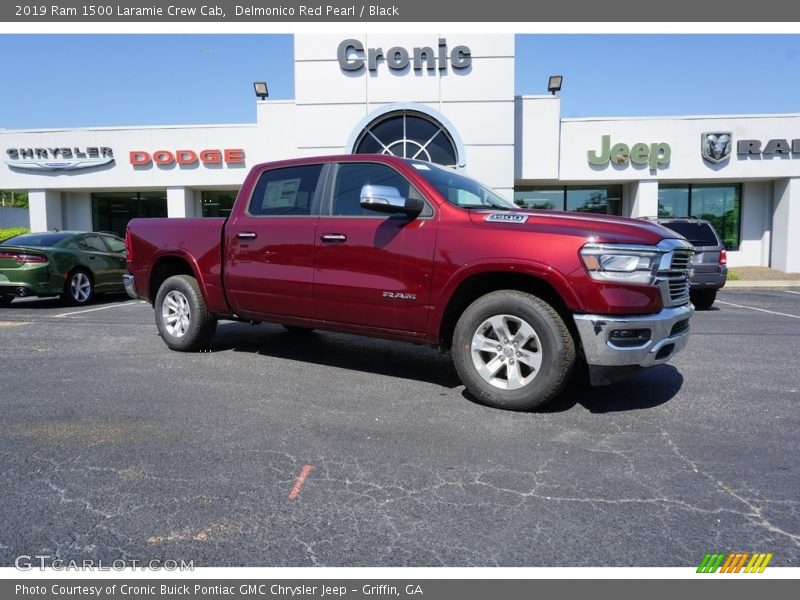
(269, 244)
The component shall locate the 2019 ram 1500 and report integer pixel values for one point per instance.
(404, 249)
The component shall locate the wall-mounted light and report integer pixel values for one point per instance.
(260, 88)
(554, 84)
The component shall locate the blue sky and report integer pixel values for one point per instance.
(104, 80)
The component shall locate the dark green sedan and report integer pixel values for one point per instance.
(73, 264)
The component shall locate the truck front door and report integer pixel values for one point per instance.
(372, 269)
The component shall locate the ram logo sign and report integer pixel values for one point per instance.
(716, 147)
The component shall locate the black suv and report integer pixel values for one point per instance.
(710, 262)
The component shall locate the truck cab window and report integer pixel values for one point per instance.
(288, 191)
(351, 177)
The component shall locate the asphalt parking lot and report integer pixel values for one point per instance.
(328, 449)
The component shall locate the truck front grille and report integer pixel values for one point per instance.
(676, 277)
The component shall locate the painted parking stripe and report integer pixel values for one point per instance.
(88, 310)
(790, 292)
(772, 312)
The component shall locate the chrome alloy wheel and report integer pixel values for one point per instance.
(80, 287)
(175, 314)
(506, 352)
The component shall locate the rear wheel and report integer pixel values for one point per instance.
(513, 350)
(182, 318)
(703, 299)
(78, 287)
(5, 299)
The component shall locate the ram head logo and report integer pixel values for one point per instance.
(716, 147)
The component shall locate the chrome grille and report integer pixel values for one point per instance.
(676, 276)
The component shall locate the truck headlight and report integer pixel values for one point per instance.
(620, 263)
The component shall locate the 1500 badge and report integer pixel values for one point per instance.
(399, 296)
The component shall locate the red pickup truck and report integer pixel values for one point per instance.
(404, 249)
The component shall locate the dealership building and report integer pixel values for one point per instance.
(448, 98)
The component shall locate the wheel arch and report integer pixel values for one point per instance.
(167, 265)
(478, 284)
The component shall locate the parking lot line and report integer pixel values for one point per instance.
(80, 312)
(790, 292)
(772, 312)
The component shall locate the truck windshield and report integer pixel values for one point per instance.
(459, 190)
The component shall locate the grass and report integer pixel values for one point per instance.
(733, 275)
(11, 232)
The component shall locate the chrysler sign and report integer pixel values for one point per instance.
(59, 159)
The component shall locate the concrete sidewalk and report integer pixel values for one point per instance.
(762, 284)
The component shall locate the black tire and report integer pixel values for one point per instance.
(296, 329)
(703, 299)
(196, 330)
(551, 341)
(5, 299)
(76, 292)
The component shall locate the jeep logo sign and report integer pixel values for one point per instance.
(655, 155)
(352, 57)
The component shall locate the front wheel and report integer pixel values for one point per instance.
(512, 350)
(181, 314)
(703, 299)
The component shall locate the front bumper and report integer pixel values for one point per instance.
(611, 359)
(130, 286)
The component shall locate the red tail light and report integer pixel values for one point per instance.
(723, 257)
(24, 258)
(128, 245)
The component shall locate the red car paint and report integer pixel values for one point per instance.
(289, 275)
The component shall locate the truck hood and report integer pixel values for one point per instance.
(593, 227)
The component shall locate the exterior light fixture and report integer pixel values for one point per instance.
(554, 84)
(260, 88)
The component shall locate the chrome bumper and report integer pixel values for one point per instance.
(669, 332)
(130, 286)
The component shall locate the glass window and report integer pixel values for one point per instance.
(92, 243)
(217, 203)
(37, 239)
(548, 199)
(699, 233)
(111, 211)
(721, 206)
(288, 191)
(601, 200)
(459, 190)
(673, 201)
(351, 177)
(408, 134)
(115, 244)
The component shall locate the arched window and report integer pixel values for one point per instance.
(408, 134)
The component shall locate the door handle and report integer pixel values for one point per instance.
(92, 257)
(247, 235)
(333, 237)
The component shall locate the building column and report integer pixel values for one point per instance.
(76, 208)
(643, 196)
(180, 202)
(44, 210)
(785, 225)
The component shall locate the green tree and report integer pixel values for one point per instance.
(16, 199)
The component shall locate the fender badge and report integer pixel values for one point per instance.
(506, 218)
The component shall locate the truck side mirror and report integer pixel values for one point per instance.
(387, 199)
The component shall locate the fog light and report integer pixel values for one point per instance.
(629, 338)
